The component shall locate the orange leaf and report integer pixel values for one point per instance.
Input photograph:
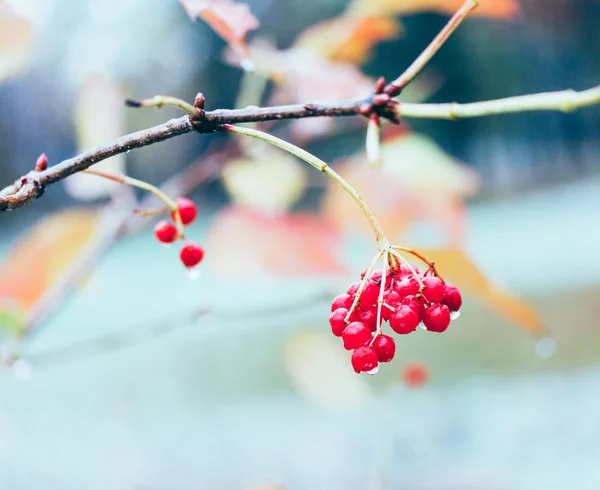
(16, 41)
(504, 9)
(418, 181)
(39, 258)
(348, 38)
(230, 20)
(242, 240)
(455, 267)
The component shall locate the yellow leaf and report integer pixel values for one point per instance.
(320, 370)
(39, 258)
(455, 267)
(16, 42)
(348, 38)
(270, 181)
(99, 117)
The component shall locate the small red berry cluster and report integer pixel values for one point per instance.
(410, 299)
(166, 232)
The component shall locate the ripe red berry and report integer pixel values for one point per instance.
(435, 290)
(336, 320)
(436, 318)
(165, 232)
(453, 299)
(405, 319)
(364, 359)
(415, 374)
(187, 210)
(385, 348)
(191, 254)
(341, 301)
(355, 335)
(353, 288)
(369, 294)
(393, 299)
(368, 317)
(407, 286)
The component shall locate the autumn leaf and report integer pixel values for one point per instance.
(417, 182)
(348, 38)
(320, 371)
(16, 43)
(259, 244)
(230, 20)
(99, 117)
(456, 268)
(267, 180)
(503, 9)
(40, 257)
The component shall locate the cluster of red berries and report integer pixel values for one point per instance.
(166, 232)
(410, 299)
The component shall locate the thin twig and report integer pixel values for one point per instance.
(395, 87)
(564, 100)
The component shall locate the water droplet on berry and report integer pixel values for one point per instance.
(193, 273)
(373, 371)
(545, 347)
(21, 369)
(422, 325)
(454, 315)
(128, 151)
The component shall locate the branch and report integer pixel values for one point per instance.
(565, 101)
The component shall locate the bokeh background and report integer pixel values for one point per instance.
(139, 378)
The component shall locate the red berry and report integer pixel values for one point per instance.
(385, 348)
(369, 294)
(404, 320)
(187, 210)
(407, 286)
(393, 299)
(355, 335)
(435, 290)
(369, 318)
(353, 288)
(404, 271)
(341, 301)
(336, 320)
(191, 254)
(436, 318)
(415, 374)
(453, 299)
(364, 359)
(165, 232)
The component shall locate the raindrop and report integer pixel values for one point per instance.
(454, 315)
(194, 273)
(128, 151)
(373, 371)
(247, 65)
(422, 325)
(545, 347)
(21, 369)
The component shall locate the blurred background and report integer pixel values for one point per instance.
(120, 372)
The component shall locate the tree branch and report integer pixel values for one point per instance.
(33, 184)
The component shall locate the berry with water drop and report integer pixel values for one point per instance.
(385, 348)
(364, 359)
(191, 254)
(165, 232)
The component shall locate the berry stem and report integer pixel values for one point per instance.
(165, 100)
(319, 165)
(363, 282)
(140, 184)
(384, 269)
(429, 263)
